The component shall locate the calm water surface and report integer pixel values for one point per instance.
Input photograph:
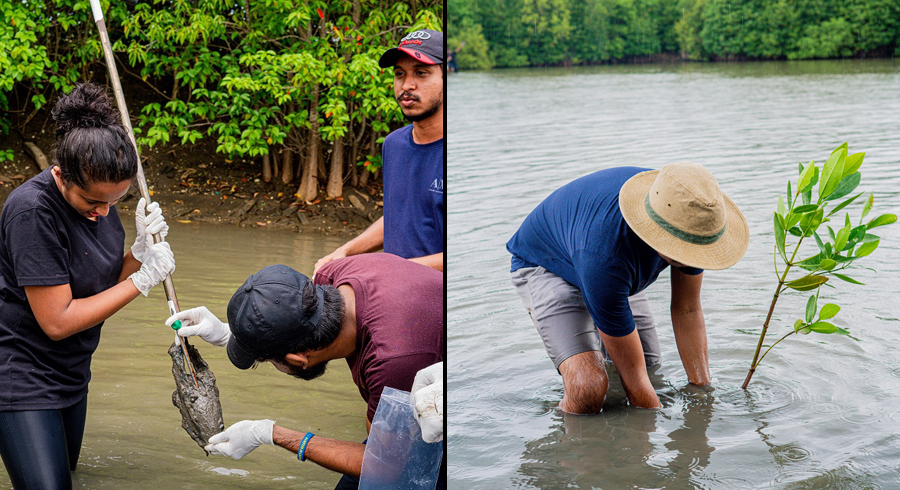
(821, 412)
(134, 438)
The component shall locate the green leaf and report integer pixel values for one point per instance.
(884, 219)
(819, 242)
(827, 264)
(868, 206)
(806, 208)
(847, 185)
(807, 283)
(811, 308)
(798, 325)
(847, 278)
(805, 182)
(853, 163)
(840, 240)
(823, 327)
(779, 236)
(790, 195)
(831, 173)
(828, 311)
(781, 208)
(867, 248)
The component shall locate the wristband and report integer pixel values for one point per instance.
(301, 451)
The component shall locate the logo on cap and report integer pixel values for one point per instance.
(416, 35)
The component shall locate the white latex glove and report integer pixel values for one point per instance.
(159, 262)
(148, 220)
(201, 322)
(238, 440)
(427, 400)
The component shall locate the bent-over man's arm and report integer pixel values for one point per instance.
(341, 456)
(435, 261)
(689, 326)
(370, 240)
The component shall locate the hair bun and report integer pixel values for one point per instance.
(86, 106)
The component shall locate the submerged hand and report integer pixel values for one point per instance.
(201, 322)
(238, 440)
(159, 262)
(427, 400)
(148, 220)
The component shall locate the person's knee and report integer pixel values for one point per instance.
(585, 383)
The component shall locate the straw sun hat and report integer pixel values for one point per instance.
(681, 213)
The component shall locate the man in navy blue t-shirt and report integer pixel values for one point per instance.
(413, 159)
(582, 258)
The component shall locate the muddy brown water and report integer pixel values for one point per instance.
(133, 437)
(821, 412)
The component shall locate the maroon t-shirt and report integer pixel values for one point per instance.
(399, 320)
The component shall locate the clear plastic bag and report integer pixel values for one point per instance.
(396, 457)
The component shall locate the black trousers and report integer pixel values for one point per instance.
(40, 448)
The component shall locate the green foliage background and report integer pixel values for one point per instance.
(563, 32)
(258, 77)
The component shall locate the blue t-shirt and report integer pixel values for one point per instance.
(413, 195)
(579, 234)
(45, 242)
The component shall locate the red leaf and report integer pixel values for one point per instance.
(321, 14)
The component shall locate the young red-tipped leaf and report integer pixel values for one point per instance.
(884, 219)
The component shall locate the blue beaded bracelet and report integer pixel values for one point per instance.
(301, 451)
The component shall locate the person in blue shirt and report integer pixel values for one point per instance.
(582, 258)
(412, 159)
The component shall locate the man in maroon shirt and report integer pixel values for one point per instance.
(381, 313)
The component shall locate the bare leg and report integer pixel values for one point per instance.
(585, 383)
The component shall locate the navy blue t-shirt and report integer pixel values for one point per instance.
(45, 242)
(413, 195)
(579, 234)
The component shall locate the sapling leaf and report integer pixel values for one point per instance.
(827, 264)
(884, 219)
(811, 308)
(847, 185)
(795, 231)
(805, 182)
(866, 248)
(807, 196)
(806, 208)
(831, 234)
(845, 145)
(798, 325)
(841, 239)
(847, 278)
(791, 220)
(868, 206)
(823, 327)
(807, 283)
(781, 208)
(844, 204)
(831, 173)
(790, 195)
(819, 242)
(779, 237)
(828, 311)
(828, 250)
(853, 163)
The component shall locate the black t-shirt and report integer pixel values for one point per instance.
(45, 242)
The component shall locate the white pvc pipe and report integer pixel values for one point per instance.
(98, 11)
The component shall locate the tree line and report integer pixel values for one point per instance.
(511, 33)
(293, 85)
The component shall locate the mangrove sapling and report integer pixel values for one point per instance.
(798, 216)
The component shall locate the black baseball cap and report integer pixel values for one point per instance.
(424, 45)
(266, 314)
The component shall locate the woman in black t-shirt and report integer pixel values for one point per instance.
(63, 271)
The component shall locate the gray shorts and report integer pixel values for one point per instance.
(557, 309)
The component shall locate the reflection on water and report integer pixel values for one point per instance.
(821, 411)
(133, 436)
